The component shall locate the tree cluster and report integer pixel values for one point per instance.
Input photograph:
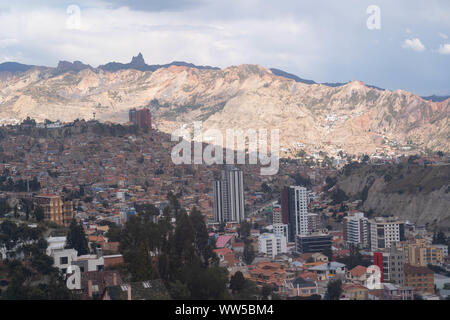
(181, 254)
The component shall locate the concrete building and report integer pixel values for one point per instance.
(299, 287)
(443, 247)
(385, 232)
(396, 292)
(89, 262)
(316, 242)
(420, 278)
(354, 291)
(356, 231)
(281, 229)
(313, 222)
(391, 263)
(294, 206)
(141, 118)
(55, 209)
(272, 244)
(329, 270)
(420, 253)
(229, 196)
(277, 216)
(64, 258)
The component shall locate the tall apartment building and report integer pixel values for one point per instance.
(385, 232)
(277, 216)
(294, 206)
(142, 118)
(272, 244)
(55, 209)
(391, 263)
(421, 253)
(281, 229)
(356, 231)
(420, 278)
(229, 196)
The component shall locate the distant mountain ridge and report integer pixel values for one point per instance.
(285, 74)
(138, 63)
(14, 67)
(353, 117)
(436, 98)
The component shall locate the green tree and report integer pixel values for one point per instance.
(249, 253)
(354, 259)
(32, 277)
(249, 291)
(266, 291)
(244, 230)
(439, 238)
(39, 213)
(334, 290)
(179, 290)
(237, 282)
(76, 238)
(138, 241)
(113, 233)
(202, 245)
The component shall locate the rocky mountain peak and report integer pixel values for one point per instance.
(138, 61)
(66, 66)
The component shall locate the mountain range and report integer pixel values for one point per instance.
(353, 117)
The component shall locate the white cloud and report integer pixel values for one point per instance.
(7, 42)
(326, 43)
(443, 35)
(444, 48)
(118, 34)
(413, 44)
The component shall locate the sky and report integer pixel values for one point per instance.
(390, 44)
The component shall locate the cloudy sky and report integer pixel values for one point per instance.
(391, 44)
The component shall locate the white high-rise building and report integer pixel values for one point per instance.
(301, 211)
(356, 230)
(229, 196)
(272, 244)
(294, 204)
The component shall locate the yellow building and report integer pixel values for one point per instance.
(421, 253)
(55, 209)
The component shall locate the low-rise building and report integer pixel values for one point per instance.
(420, 278)
(354, 291)
(316, 242)
(299, 287)
(396, 292)
(272, 244)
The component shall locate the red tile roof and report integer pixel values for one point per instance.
(358, 271)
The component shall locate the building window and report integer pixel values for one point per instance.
(64, 260)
